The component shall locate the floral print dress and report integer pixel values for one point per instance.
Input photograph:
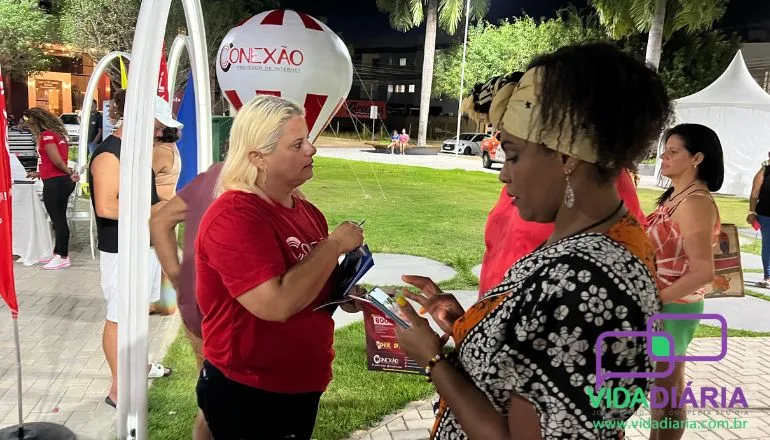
(535, 334)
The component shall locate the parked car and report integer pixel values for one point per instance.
(491, 151)
(72, 124)
(22, 144)
(470, 144)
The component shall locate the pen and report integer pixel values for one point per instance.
(361, 223)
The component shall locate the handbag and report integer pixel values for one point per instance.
(728, 273)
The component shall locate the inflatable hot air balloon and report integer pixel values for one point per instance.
(287, 54)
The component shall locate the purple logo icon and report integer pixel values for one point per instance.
(660, 346)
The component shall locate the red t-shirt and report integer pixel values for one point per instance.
(47, 168)
(508, 237)
(244, 241)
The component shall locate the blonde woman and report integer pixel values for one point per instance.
(58, 179)
(265, 262)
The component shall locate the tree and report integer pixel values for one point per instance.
(408, 14)
(98, 27)
(661, 18)
(24, 28)
(509, 46)
(692, 62)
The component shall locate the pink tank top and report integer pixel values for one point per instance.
(671, 259)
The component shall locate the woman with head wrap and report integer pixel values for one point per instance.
(534, 350)
(507, 236)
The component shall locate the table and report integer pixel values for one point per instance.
(31, 231)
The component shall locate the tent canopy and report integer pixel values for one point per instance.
(735, 88)
(738, 110)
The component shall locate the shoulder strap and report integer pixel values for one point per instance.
(696, 192)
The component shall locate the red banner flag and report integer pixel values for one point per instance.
(163, 75)
(7, 287)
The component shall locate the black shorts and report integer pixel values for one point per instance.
(238, 412)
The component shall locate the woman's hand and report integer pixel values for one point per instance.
(751, 218)
(33, 175)
(352, 305)
(419, 341)
(442, 307)
(74, 176)
(347, 236)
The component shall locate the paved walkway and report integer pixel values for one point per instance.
(65, 376)
(747, 365)
(388, 269)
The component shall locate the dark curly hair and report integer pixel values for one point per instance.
(119, 98)
(39, 120)
(615, 96)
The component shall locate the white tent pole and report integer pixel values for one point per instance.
(462, 75)
(134, 209)
(181, 42)
(135, 165)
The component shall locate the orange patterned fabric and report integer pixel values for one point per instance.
(667, 239)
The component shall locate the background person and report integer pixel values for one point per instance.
(394, 141)
(167, 165)
(104, 181)
(94, 127)
(759, 212)
(265, 262)
(403, 140)
(684, 229)
(166, 161)
(527, 351)
(58, 179)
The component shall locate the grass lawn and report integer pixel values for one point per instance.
(439, 214)
(755, 247)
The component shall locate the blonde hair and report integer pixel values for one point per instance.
(39, 120)
(257, 127)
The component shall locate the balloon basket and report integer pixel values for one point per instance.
(37, 431)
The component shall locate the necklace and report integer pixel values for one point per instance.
(673, 196)
(589, 227)
(605, 219)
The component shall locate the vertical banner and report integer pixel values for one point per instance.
(123, 75)
(188, 144)
(163, 75)
(7, 287)
(382, 351)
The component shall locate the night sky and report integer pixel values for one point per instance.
(359, 20)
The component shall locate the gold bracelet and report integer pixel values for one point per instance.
(432, 363)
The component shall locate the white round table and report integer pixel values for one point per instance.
(31, 231)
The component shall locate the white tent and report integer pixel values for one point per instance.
(738, 110)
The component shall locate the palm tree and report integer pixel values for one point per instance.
(408, 14)
(660, 18)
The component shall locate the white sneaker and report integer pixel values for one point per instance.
(58, 263)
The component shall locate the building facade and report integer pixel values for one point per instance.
(61, 89)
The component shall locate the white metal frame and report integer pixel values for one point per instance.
(135, 164)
